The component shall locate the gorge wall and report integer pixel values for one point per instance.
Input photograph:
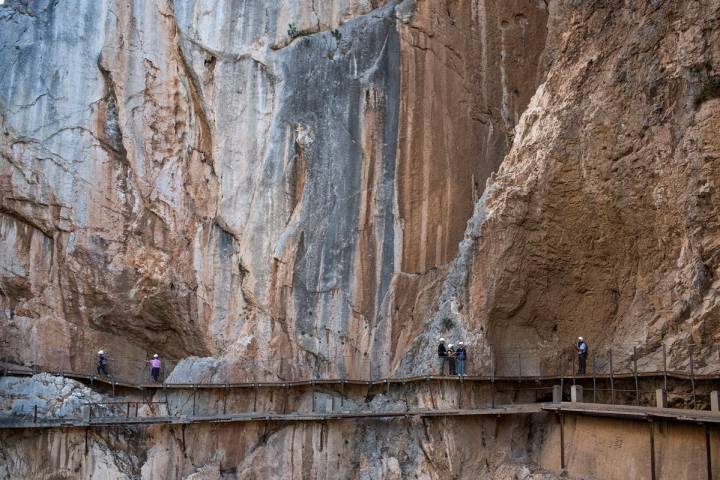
(276, 186)
(241, 179)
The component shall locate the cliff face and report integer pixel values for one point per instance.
(601, 220)
(293, 187)
(247, 181)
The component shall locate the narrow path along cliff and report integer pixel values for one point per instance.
(290, 202)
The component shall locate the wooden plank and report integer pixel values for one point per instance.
(635, 413)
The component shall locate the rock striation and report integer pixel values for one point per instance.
(295, 187)
(246, 181)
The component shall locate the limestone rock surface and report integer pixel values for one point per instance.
(263, 183)
(301, 188)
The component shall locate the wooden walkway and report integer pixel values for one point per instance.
(630, 412)
(20, 423)
(109, 381)
(622, 412)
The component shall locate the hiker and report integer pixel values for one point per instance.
(155, 368)
(461, 355)
(582, 350)
(451, 358)
(442, 355)
(102, 363)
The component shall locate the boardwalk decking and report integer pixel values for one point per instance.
(630, 412)
(381, 381)
(623, 412)
(21, 423)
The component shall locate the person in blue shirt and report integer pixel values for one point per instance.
(582, 350)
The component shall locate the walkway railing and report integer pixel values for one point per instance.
(521, 365)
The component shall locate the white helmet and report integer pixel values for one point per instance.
(451, 345)
(442, 339)
(101, 352)
(461, 343)
(581, 339)
(155, 356)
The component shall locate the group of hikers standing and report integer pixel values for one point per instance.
(453, 357)
(102, 365)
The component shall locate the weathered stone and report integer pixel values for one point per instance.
(293, 187)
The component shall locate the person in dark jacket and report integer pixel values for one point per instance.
(442, 356)
(102, 363)
(461, 355)
(451, 359)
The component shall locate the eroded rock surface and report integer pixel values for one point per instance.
(600, 221)
(246, 181)
(297, 187)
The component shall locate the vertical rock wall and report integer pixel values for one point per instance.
(600, 221)
(245, 180)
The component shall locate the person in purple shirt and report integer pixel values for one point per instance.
(155, 368)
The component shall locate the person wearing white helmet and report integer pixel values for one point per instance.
(442, 355)
(582, 351)
(155, 367)
(102, 363)
(451, 359)
(461, 355)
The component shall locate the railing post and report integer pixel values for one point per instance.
(664, 368)
(562, 380)
(562, 442)
(492, 368)
(225, 392)
(635, 375)
(194, 396)
(692, 375)
(652, 451)
(594, 379)
(34, 413)
(127, 413)
(462, 394)
(286, 399)
(612, 381)
(708, 453)
(519, 367)
(573, 368)
(660, 398)
(167, 402)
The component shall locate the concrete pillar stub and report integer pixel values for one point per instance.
(660, 398)
(715, 401)
(557, 394)
(576, 393)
